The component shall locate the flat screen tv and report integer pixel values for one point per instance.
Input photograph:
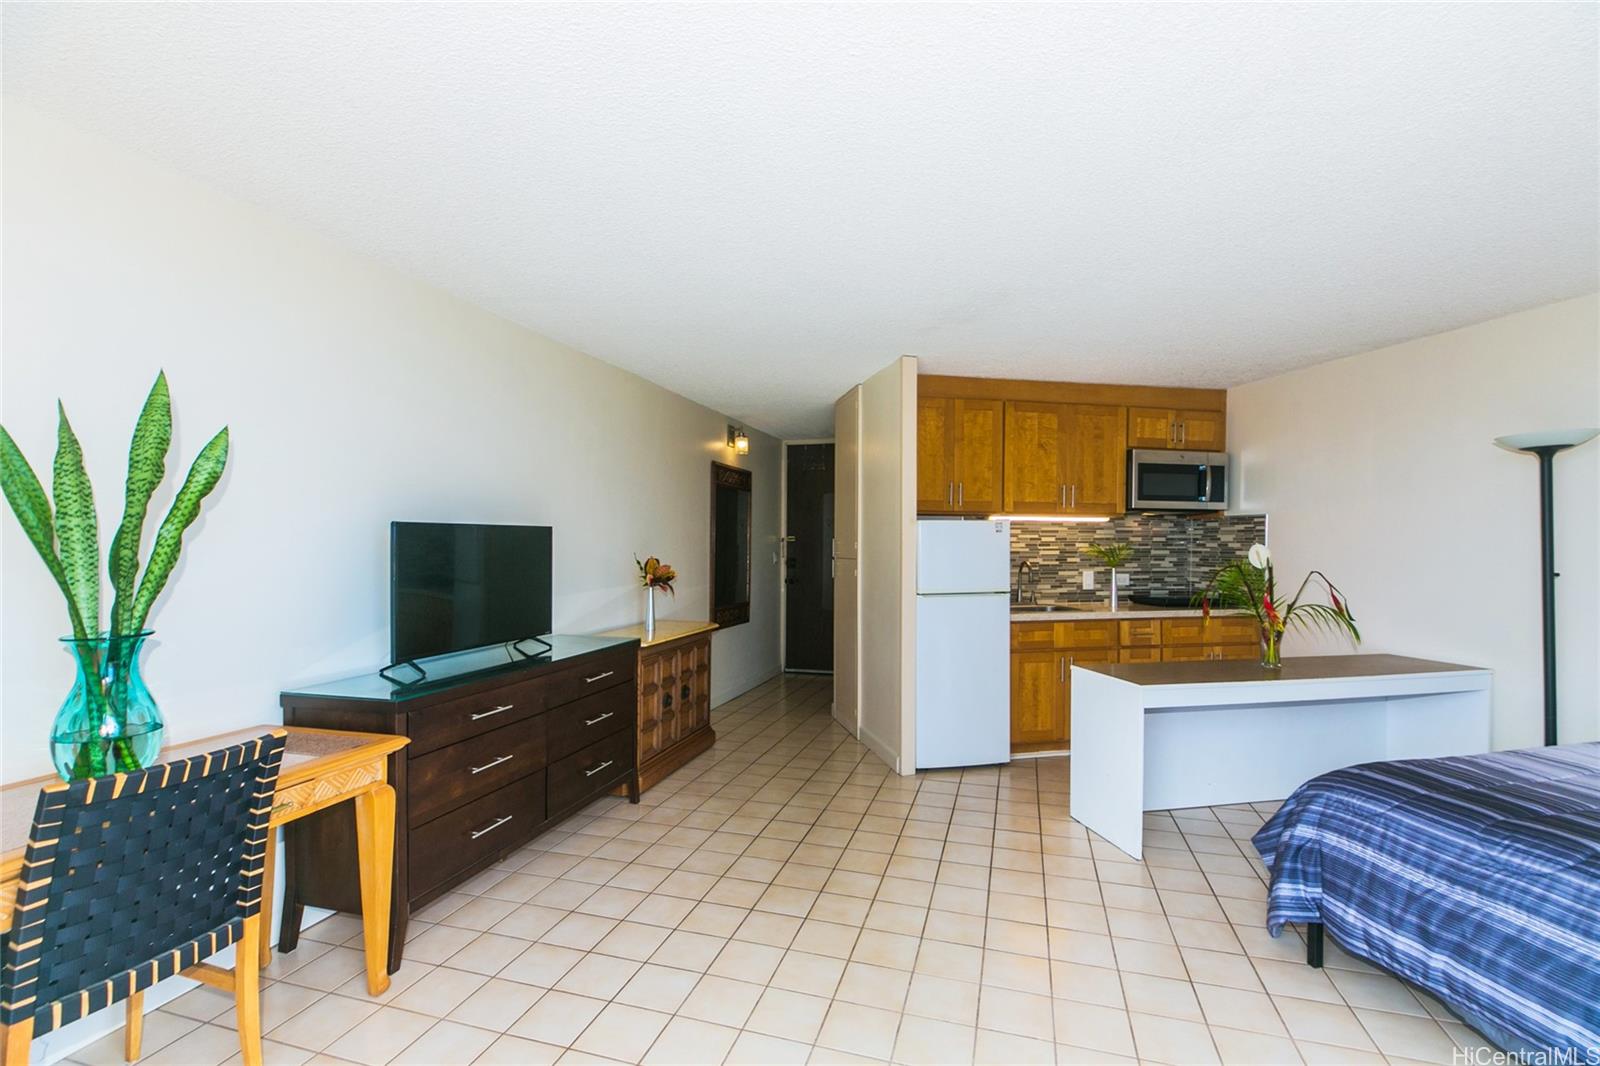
(454, 587)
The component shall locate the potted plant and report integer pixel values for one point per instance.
(1251, 584)
(1113, 556)
(109, 722)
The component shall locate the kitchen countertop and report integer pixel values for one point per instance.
(1087, 612)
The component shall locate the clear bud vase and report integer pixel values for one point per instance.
(649, 612)
(1271, 648)
(109, 723)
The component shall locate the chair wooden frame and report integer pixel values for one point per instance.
(22, 1016)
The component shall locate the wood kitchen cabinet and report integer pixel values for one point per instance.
(960, 444)
(997, 445)
(1064, 458)
(1044, 653)
(1038, 700)
(1165, 427)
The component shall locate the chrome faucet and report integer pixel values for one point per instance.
(1025, 570)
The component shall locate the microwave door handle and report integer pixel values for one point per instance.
(1211, 473)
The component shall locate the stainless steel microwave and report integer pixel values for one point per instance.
(1160, 480)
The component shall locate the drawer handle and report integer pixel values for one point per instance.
(491, 827)
(597, 769)
(489, 714)
(598, 677)
(603, 717)
(492, 764)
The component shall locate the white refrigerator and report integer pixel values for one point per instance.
(963, 643)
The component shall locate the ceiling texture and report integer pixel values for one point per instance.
(760, 205)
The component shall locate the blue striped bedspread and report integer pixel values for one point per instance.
(1476, 878)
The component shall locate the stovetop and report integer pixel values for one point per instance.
(1162, 599)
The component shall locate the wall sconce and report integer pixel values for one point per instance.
(738, 440)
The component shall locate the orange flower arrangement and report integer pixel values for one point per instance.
(655, 574)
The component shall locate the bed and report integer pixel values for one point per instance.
(1476, 878)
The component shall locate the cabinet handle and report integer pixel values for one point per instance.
(961, 494)
(597, 769)
(603, 717)
(598, 677)
(1061, 669)
(492, 764)
(492, 826)
(949, 494)
(1074, 497)
(1183, 433)
(491, 714)
(1063, 496)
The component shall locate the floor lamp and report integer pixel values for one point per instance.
(1545, 446)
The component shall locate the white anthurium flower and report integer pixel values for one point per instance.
(1259, 557)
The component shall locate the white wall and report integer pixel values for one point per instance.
(355, 396)
(888, 563)
(1379, 469)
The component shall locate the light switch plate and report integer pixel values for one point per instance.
(1124, 580)
(1088, 580)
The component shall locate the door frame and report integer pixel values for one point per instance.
(783, 550)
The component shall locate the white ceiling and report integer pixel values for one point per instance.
(759, 205)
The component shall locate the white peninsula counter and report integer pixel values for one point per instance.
(1162, 736)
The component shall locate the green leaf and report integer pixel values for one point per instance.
(203, 477)
(77, 525)
(147, 455)
(32, 508)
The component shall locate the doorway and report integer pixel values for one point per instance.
(808, 558)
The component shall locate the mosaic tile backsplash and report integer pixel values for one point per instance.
(1172, 554)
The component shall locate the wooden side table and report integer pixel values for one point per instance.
(321, 767)
(674, 695)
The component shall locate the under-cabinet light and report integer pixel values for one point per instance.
(1064, 519)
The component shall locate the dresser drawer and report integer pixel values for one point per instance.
(1096, 634)
(582, 722)
(456, 841)
(446, 723)
(448, 777)
(591, 771)
(601, 672)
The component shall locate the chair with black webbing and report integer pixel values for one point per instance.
(131, 878)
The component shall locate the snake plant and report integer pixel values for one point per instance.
(67, 535)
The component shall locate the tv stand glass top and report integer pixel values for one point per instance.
(447, 671)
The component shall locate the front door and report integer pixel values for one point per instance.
(808, 559)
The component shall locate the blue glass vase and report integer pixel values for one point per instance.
(109, 722)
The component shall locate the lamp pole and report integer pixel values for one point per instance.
(1544, 447)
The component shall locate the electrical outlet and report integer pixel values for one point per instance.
(1088, 580)
(1124, 580)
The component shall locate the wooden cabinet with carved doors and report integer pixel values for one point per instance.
(959, 449)
(674, 696)
(1165, 427)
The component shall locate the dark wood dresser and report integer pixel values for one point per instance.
(501, 750)
(674, 695)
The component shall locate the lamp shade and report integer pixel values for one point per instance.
(1548, 438)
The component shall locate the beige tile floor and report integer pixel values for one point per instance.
(785, 898)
